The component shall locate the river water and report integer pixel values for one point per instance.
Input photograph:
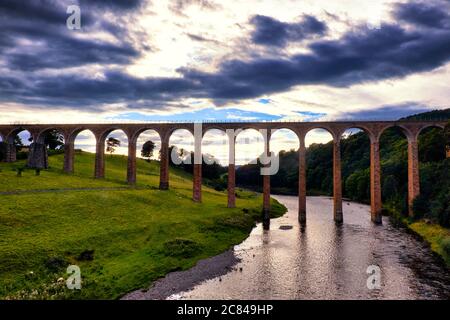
(325, 261)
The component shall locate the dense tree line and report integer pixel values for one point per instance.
(434, 202)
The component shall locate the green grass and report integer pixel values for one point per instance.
(435, 235)
(137, 234)
(438, 237)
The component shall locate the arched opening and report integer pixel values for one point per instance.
(181, 149)
(2, 149)
(249, 147)
(116, 152)
(433, 201)
(21, 139)
(215, 150)
(355, 163)
(84, 153)
(284, 143)
(53, 140)
(394, 170)
(319, 162)
(148, 148)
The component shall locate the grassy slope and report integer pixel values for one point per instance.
(434, 234)
(134, 232)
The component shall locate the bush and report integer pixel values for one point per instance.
(183, 248)
(440, 208)
(55, 263)
(445, 244)
(420, 206)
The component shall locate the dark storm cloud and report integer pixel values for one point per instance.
(35, 34)
(272, 32)
(386, 112)
(90, 93)
(429, 14)
(359, 56)
(113, 4)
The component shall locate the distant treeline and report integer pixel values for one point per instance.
(434, 202)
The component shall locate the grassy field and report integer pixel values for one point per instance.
(122, 239)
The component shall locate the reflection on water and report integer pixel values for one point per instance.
(325, 261)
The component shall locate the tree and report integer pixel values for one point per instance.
(447, 139)
(54, 140)
(18, 143)
(147, 150)
(112, 144)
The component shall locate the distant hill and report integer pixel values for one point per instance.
(443, 114)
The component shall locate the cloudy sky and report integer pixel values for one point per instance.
(143, 60)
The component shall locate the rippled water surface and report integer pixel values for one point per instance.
(325, 261)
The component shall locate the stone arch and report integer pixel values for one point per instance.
(121, 150)
(407, 132)
(71, 150)
(221, 139)
(289, 146)
(102, 135)
(138, 134)
(72, 136)
(395, 177)
(330, 130)
(10, 136)
(426, 126)
(240, 136)
(276, 131)
(11, 150)
(171, 130)
(135, 136)
(367, 130)
(356, 183)
(212, 128)
(173, 134)
(442, 149)
(41, 135)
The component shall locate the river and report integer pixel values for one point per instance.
(320, 261)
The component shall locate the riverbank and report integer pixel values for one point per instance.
(122, 238)
(436, 236)
(320, 261)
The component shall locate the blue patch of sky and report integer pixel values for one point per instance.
(208, 114)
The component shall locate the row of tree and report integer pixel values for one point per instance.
(434, 202)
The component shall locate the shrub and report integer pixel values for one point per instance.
(440, 208)
(183, 248)
(55, 263)
(420, 206)
(445, 244)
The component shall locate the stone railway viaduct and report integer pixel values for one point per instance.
(374, 129)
